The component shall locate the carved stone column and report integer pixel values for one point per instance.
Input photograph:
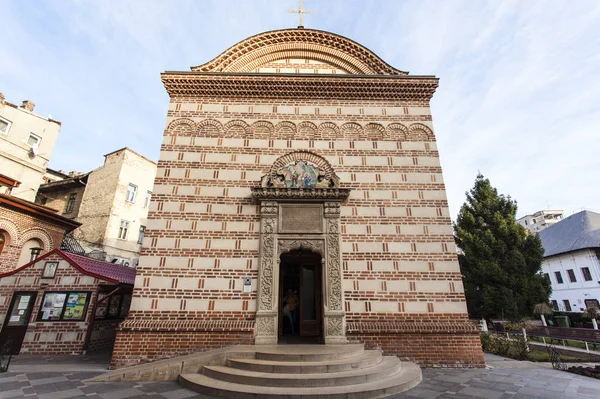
(266, 316)
(334, 320)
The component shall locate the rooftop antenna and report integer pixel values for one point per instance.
(300, 11)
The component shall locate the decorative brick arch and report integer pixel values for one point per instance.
(262, 129)
(373, 131)
(285, 130)
(236, 128)
(420, 132)
(286, 51)
(12, 231)
(327, 47)
(352, 131)
(396, 131)
(182, 125)
(307, 130)
(38, 234)
(329, 130)
(210, 127)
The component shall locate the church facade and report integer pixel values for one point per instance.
(299, 198)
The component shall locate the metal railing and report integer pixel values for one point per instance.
(70, 244)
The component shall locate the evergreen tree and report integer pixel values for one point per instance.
(500, 260)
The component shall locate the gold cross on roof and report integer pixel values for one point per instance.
(300, 11)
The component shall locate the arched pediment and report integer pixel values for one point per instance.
(325, 47)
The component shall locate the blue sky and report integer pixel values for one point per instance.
(519, 96)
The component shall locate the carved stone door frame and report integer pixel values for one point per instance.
(276, 238)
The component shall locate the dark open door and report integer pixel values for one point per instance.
(310, 300)
(16, 322)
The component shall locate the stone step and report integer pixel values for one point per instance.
(309, 353)
(405, 378)
(389, 365)
(368, 358)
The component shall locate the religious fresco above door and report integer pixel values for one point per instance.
(300, 174)
(301, 170)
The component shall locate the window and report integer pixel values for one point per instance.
(592, 303)
(50, 269)
(35, 252)
(131, 191)
(547, 277)
(526, 223)
(554, 305)
(2, 241)
(567, 305)
(533, 221)
(71, 202)
(587, 276)
(571, 274)
(115, 307)
(4, 126)
(147, 199)
(559, 279)
(63, 306)
(141, 235)
(123, 229)
(33, 140)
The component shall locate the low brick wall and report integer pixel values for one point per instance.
(441, 344)
(54, 338)
(136, 347)
(427, 350)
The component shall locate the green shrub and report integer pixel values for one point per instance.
(495, 343)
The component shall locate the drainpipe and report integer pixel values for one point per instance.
(88, 334)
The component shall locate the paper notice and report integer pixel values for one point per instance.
(23, 302)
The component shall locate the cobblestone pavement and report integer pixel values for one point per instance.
(505, 378)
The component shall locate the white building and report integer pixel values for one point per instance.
(572, 261)
(540, 220)
(26, 143)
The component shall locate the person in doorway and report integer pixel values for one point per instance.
(290, 308)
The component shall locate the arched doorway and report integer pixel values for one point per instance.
(300, 297)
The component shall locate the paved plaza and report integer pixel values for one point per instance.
(46, 377)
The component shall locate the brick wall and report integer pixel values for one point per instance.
(50, 337)
(134, 347)
(19, 227)
(399, 259)
(427, 350)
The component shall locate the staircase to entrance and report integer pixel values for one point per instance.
(305, 371)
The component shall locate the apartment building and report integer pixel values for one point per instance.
(111, 202)
(26, 143)
(540, 220)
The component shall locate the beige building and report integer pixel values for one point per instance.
(111, 202)
(26, 144)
